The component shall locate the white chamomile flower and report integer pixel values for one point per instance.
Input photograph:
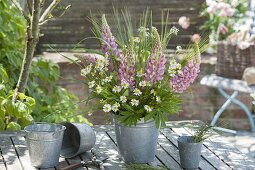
(147, 108)
(99, 65)
(174, 30)
(137, 92)
(115, 107)
(91, 84)
(107, 108)
(86, 70)
(123, 99)
(158, 99)
(99, 89)
(134, 102)
(116, 89)
(179, 48)
(125, 84)
(142, 83)
(136, 39)
(108, 79)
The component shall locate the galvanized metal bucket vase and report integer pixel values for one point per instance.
(189, 152)
(44, 142)
(137, 144)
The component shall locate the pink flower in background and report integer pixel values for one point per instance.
(212, 7)
(225, 9)
(195, 38)
(223, 29)
(184, 22)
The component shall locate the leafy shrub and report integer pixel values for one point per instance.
(53, 103)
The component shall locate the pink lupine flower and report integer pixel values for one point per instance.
(161, 68)
(182, 81)
(150, 71)
(109, 44)
(184, 22)
(126, 73)
(223, 29)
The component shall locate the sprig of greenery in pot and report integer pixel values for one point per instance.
(202, 133)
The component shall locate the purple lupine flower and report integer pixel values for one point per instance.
(150, 71)
(182, 81)
(155, 69)
(109, 41)
(161, 68)
(127, 73)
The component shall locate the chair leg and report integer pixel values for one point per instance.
(242, 106)
(223, 107)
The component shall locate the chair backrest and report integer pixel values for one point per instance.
(65, 32)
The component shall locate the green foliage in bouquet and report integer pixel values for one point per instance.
(132, 78)
(223, 17)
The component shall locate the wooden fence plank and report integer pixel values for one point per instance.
(75, 26)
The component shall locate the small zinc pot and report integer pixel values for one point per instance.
(137, 144)
(78, 138)
(44, 142)
(190, 153)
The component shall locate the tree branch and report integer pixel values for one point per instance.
(21, 10)
(45, 14)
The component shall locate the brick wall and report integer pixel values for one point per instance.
(200, 102)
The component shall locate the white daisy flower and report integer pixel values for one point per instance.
(86, 70)
(179, 48)
(142, 83)
(107, 108)
(115, 107)
(99, 65)
(137, 92)
(174, 30)
(147, 108)
(116, 89)
(99, 89)
(91, 84)
(134, 102)
(125, 84)
(158, 99)
(123, 99)
(108, 79)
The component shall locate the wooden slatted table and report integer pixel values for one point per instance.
(216, 153)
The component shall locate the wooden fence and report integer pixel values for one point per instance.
(65, 32)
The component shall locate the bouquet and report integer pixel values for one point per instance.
(224, 17)
(133, 78)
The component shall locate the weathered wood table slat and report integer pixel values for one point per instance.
(216, 153)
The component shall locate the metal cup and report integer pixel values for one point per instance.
(78, 138)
